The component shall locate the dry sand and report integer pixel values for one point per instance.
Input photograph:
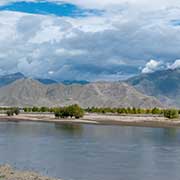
(100, 119)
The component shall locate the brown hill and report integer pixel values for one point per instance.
(28, 92)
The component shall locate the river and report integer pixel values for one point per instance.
(91, 152)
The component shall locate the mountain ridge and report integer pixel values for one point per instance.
(10, 78)
(164, 85)
(29, 92)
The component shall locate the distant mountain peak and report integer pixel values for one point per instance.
(163, 84)
(17, 74)
(46, 81)
(70, 82)
(10, 78)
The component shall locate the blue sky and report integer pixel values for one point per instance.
(89, 40)
(49, 8)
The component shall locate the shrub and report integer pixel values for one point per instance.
(16, 111)
(27, 109)
(44, 109)
(171, 113)
(57, 114)
(156, 111)
(60, 113)
(10, 113)
(35, 109)
(78, 112)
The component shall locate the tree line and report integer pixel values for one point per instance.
(13, 111)
(169, 113)
(77, 112)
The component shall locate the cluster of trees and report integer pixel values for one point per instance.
(77, 112)
(37, 109)
(60, 112)
(6, 108)
(13, 111)
(128, 110)
(69, 111)
(169, 113)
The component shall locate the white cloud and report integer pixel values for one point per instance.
(151, 66)
(50, 72)
(107, 4)
(66, 52)
(175, 65)
(110, 46)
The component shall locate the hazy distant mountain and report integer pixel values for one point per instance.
(7, 79)
(46, 81)
(10, 78)
(27, 92)
(69, 82)
(66, 82)
(165, 85)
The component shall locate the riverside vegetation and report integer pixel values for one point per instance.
(168, 113)
(75, 111)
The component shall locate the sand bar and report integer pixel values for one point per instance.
(99, 119)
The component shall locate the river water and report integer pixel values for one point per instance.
(89, 152)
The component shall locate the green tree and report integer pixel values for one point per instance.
(156, 111)
(171, 113)
(10, 113)
(16, 111)
(27, 109)
(35, 109)
(44, 109)
(78, 112)
(69, 111)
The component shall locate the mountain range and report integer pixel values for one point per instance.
(29, 92)
(164, 85)
(9, 78)
(157, 89)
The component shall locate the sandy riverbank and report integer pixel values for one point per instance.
(99, 119)
(8, 173)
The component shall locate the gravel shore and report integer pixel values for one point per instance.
(8, 173)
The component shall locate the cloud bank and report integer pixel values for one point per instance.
(109, 47)
(152, 66)
(175, 65)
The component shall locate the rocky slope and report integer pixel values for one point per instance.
(28, 92)
(164, 85)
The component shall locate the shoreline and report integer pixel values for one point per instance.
(7, 173)
(98, 119)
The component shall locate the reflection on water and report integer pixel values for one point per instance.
(73, 129)
(171, 132)
(88, 152)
